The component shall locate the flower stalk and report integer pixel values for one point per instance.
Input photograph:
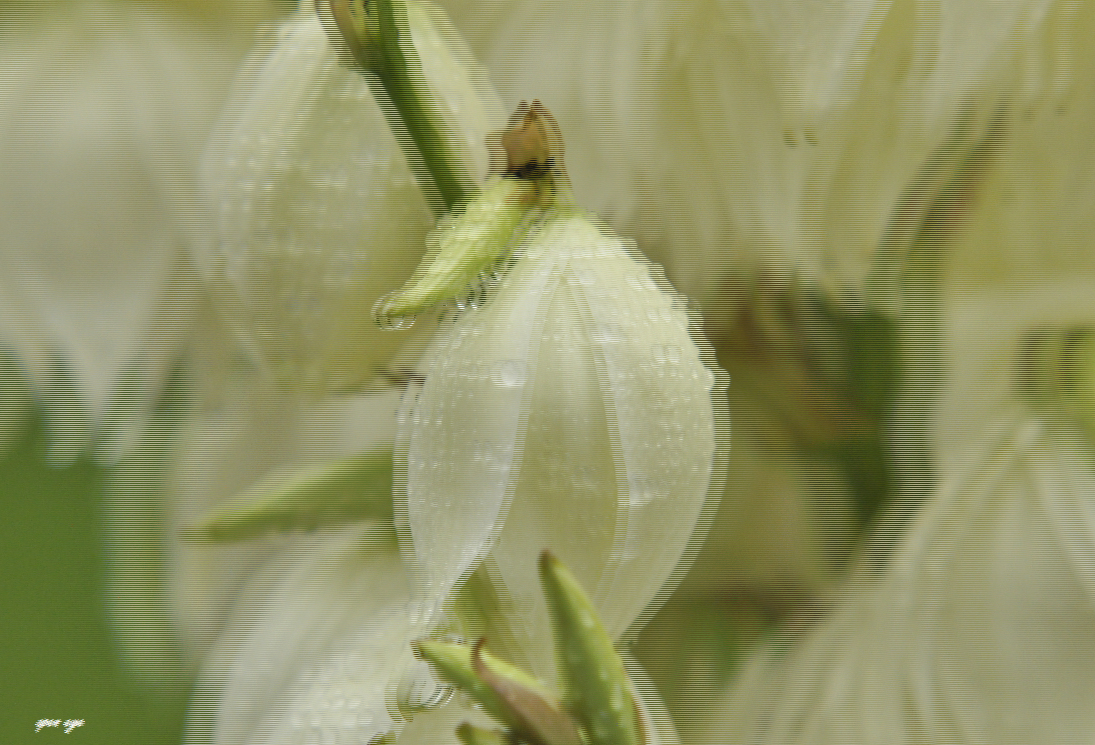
(377, 35)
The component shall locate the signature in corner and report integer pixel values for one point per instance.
(69, 724)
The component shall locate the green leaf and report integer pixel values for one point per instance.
(598, 691)
(334, 493)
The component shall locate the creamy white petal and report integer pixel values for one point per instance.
(315, 652)
(318, 212)
(460, 430)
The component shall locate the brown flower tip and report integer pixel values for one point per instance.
(531, 147)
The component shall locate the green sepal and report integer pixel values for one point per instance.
(469, 734)
(464, 245)
(334, 493)
(507, 693)
(597, 689)
(541, 718)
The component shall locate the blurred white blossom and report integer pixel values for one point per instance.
(726, 133)
(977, 628)
(104, 108)
(1024, 260)
(317, 212)
(971, 635)
(325, 651)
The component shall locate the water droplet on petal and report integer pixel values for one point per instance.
(419, 691)
(510, 373)
(608, 333)
(666, 354)
(387, 321)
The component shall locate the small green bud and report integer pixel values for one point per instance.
(598, 691)
(334, 493)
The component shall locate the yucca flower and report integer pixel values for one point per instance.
(315, 214)
(576, 408)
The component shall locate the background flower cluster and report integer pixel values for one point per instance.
(881, 210)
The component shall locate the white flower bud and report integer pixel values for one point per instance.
(318, 212)
(575, 410)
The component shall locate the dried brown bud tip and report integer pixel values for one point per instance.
(531, 147)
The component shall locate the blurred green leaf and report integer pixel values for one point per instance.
(58, 648)
(333, 493)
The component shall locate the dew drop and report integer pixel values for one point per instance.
(510, 373)
(666, 354)
(387, 321)
(608, 333)
(420, 691)
(708, 378)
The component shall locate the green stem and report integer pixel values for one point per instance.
(387, 50)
